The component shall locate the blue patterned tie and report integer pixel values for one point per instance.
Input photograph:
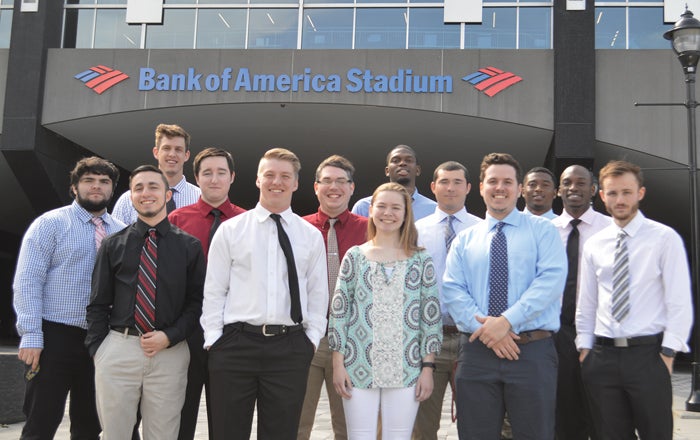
(449, 231)
(498, 273)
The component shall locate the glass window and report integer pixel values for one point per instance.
(646, 29)
(7, 2)
(327, 29)
(426, 1)
(80, 20)
(5, 27)
(221, 29)
(311, 2)
(497, 30)
(176, 32)
(111, 2)
(610, 30)
(218, 2)
(382, 1)
(273, 29)
(180, 2)
(111, 30)
(294, 2)
(379, 28)
(535, 28)
(427, 30)
(78, 2)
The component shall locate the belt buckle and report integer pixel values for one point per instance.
(621, 342)
(264, 331)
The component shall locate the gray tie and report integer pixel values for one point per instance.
(621, 279)
(333, 256)
(449, 231)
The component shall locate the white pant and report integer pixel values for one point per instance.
(399, 408)
(124, 376)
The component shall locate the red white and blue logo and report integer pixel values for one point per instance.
(101, 78)
(491, 80)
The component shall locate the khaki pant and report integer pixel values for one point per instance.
(321, 369)
(430, 411)
(124, 376)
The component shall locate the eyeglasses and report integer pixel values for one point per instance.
(328, 182)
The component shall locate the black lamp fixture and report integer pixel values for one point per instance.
(685, 40)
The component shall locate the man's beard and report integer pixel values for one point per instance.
(91, 206)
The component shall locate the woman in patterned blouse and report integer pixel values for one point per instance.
(385, 322)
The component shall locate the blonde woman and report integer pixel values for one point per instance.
(385, 322)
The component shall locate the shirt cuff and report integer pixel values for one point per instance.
(585, 341)
(674, 343)
(211, 336)
(32, 340)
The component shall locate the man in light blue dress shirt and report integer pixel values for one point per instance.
(402, 167)
(51, 290)
(450, 185)
(507, 359)
(539, 191)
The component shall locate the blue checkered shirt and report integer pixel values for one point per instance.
(184, 194)
(54, 271)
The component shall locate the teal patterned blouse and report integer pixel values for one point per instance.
(385, 318)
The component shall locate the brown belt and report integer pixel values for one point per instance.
(528, 336)
(449, 330)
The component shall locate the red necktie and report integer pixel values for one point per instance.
(145, 305)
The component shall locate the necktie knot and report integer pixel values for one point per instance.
(97, 221)
(216, 213)
(621, 235)
(499, 226)
(152, 233)
(575, 222)
(331, 221)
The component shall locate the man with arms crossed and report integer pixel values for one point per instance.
(402, 167)
(539, 192)
(502, 286)
(172, 150)
(341, 230)
(576, 225)
(146, 298)
(450, 185)
(265, 306)
(213, 170)
(634, 312)
(51, 290)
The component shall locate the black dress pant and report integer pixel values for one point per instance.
(247, 368)
(197, 377)
(573, 418)
(64, 366)
(629, 388)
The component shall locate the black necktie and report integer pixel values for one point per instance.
(291, 269)
(568, 307)
(214, 226)
(170, 206)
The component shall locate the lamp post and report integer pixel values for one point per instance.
(685, 40)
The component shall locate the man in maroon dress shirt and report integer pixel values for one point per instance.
(333, 188)
(213, 170)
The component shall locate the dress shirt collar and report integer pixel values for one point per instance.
(263, 214)
(549, 214)
(512, 219)
(441, 215)
(205, 208)
(587, 217)
(86, 216)
(181, 185)
(633, 226)
(142, 228)
(342, 217)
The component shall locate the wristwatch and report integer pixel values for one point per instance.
(427, 364)
(665, 351)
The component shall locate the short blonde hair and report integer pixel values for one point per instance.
(282, 154)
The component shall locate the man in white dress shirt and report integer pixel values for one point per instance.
(576, 189)
(264, 311)
(634, 312)
(450, 185)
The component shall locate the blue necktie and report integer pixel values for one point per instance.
(498, 273)
(449, 231)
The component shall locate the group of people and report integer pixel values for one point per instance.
(563, 326)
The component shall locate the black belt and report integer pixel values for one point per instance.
(126, 331)
(266, 329)
(450, 330)
(629, 342)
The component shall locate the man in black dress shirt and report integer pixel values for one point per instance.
(146, 299)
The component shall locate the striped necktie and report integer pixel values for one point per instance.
(100, 231)
(621, 279)
(145, 305)
(449, 231)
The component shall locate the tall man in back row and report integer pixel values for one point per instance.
(634, 313)
(213, 170)
(172, 150)
(265, 306)
(450, 185)
(402, 167)
(502, 286)
(576, 224)
(341, 230)
(51, 289)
